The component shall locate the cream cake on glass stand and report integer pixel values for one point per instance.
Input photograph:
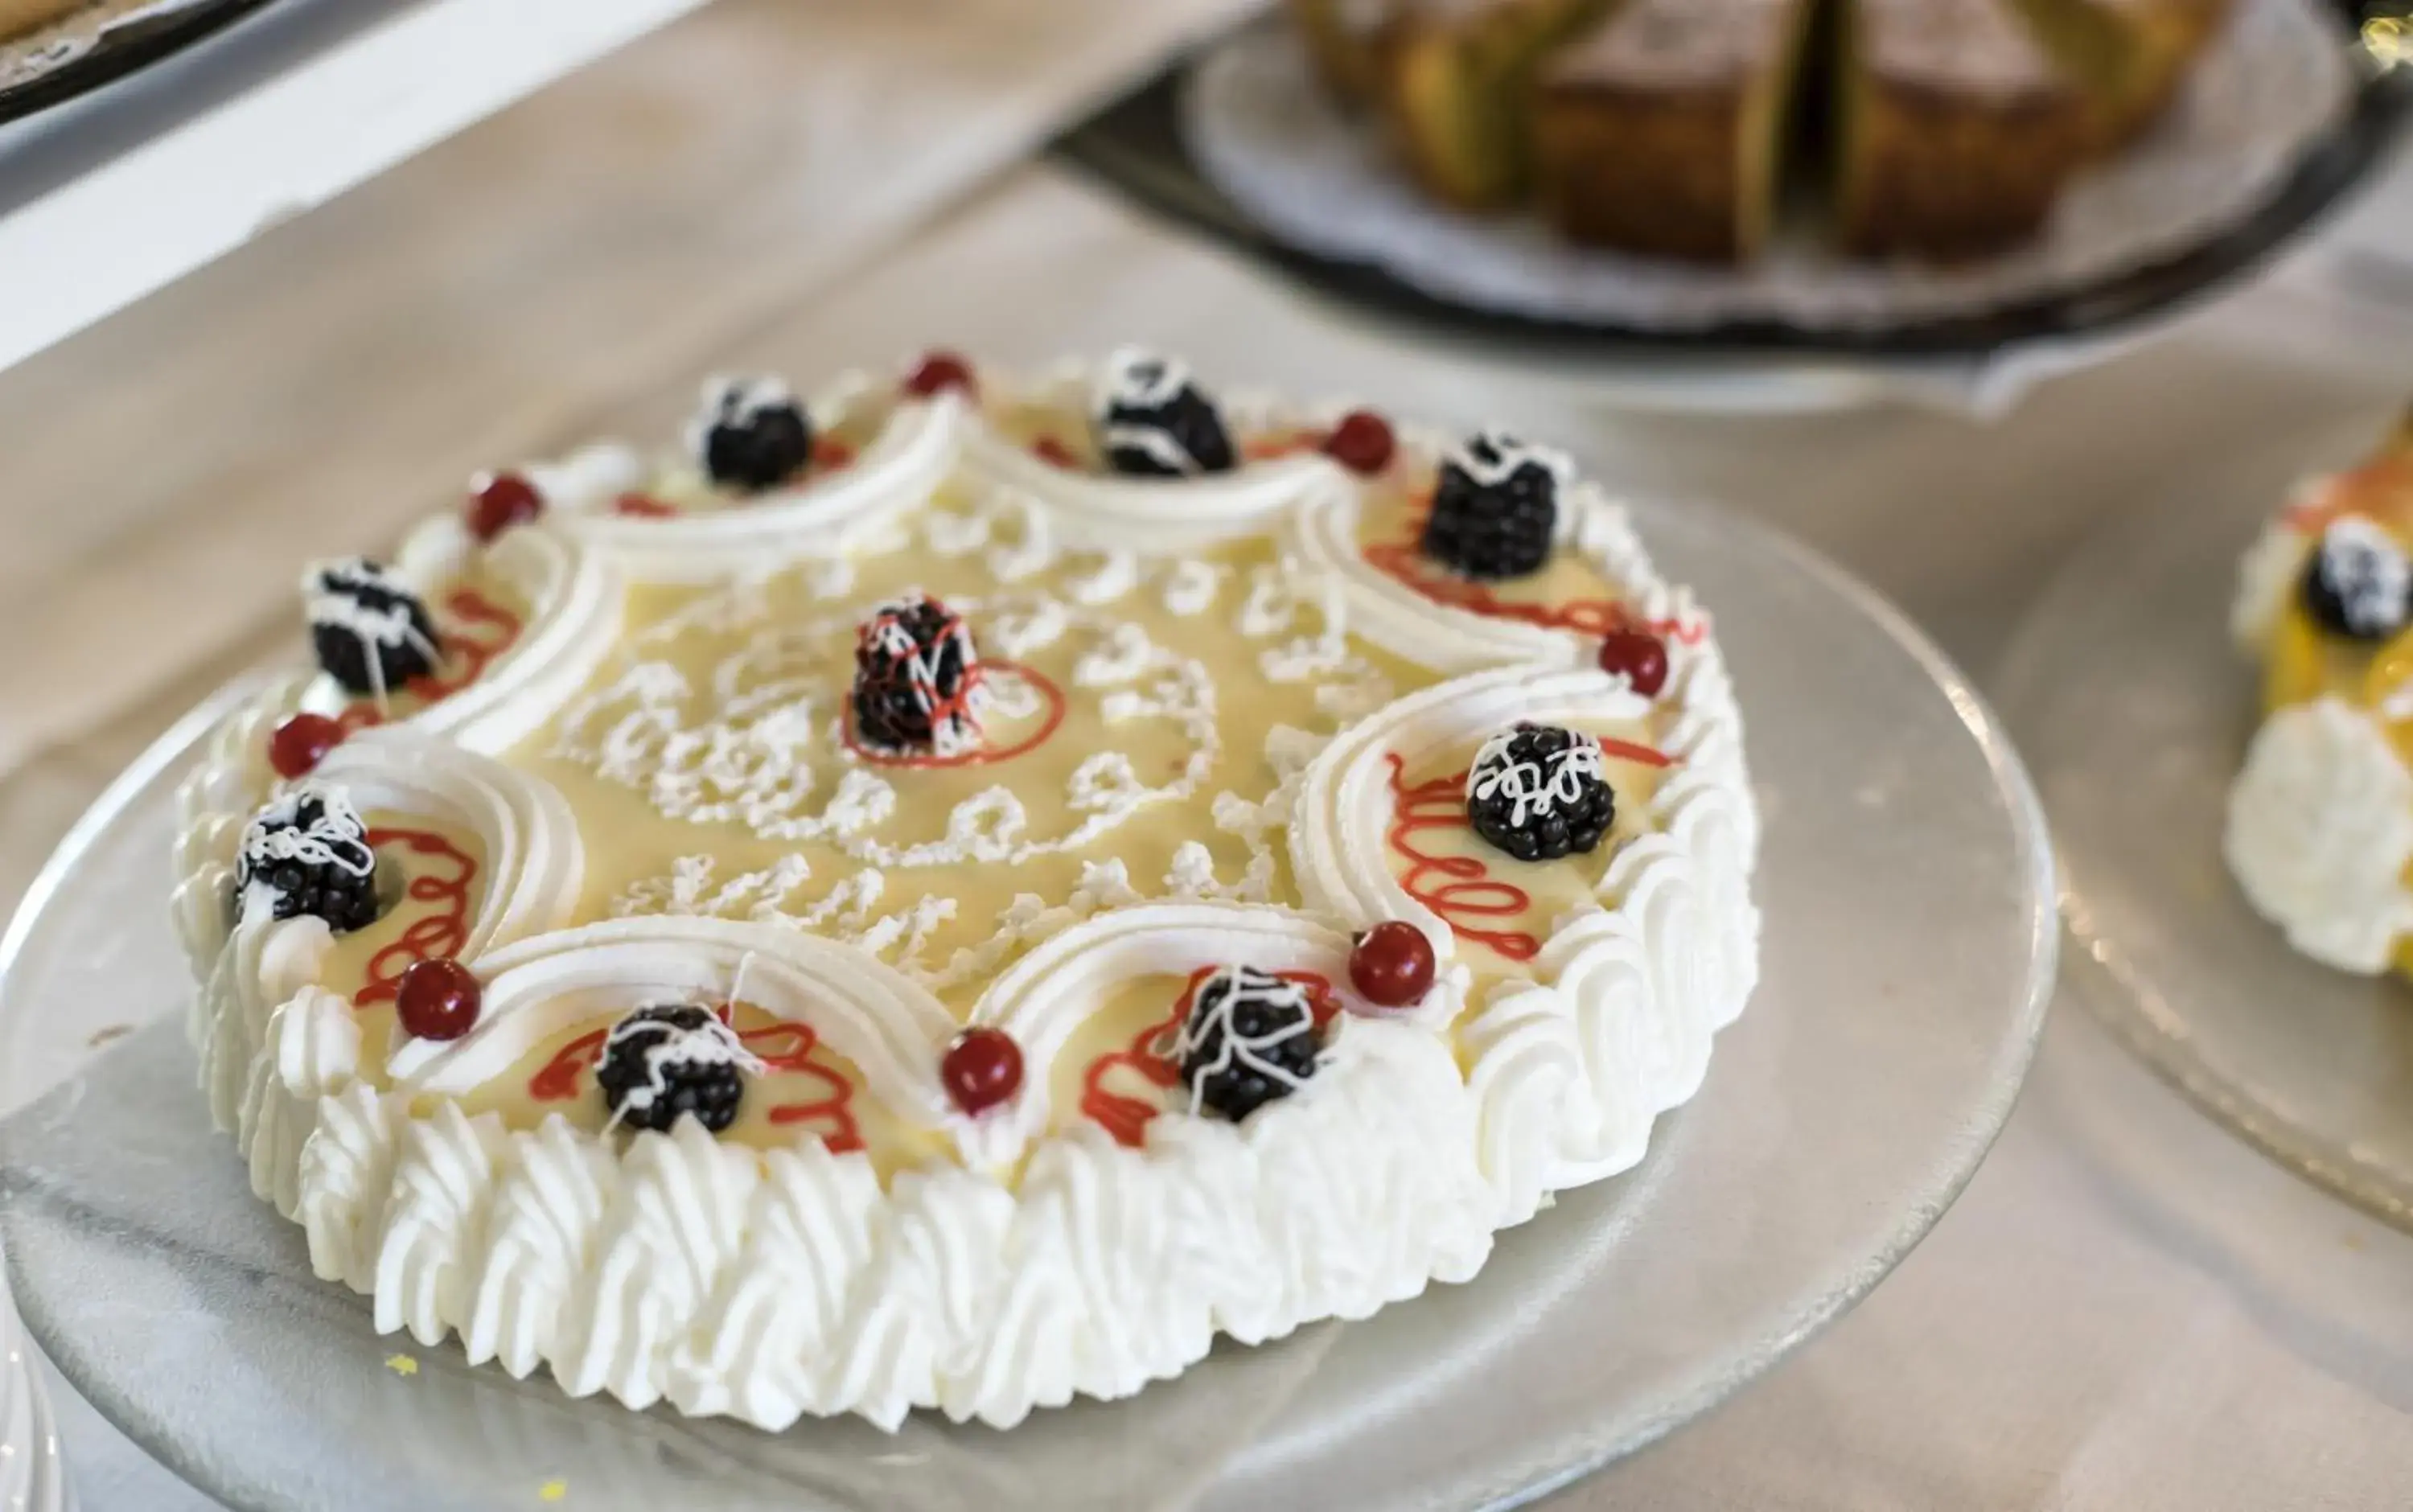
(957, 894)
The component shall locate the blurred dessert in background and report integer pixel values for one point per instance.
(2320, 819)
(1939, 130)
(1662, 130)
(18, 17)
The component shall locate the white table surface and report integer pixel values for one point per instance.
(106, 198)
(2130, 1310)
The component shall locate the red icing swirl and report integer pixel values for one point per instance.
(979, 755)
(1404, 562)
(1471, 894)
(1149, 1057)
(785, 1047)
(442, 932)
(476, 631)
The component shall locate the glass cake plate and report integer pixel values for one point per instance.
(1908, 958)
(2134, 709)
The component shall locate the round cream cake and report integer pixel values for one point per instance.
(957, 893)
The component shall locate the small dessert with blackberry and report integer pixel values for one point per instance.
(1251, 1038)
(751, 435)
(664, 1062)
(308, 853)
(2320, 832)
(1152, 420)
(1540, 793)
(916, 674)
(372, 634)
(1495, 509)
(2359, 582)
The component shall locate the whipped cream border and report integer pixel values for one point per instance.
(774, 1284)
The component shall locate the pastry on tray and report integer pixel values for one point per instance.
(18, 17)
(2320, 820)
(1345, 37)
(1663, 130)
(957, 892)
(1938, 129)
(1955, 129)
(2132, 55)
(1458, 81)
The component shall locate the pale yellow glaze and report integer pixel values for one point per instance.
(634, 849)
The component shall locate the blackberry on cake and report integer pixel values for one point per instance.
(751, 434)
(1250, 1038)
(1495, 506)
(670, 1060)
(915, 671)
(2359, 582)
(308, 853)
(371, 635)
(1540, 793)
(1153, 422)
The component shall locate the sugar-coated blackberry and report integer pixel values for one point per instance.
(1153, 422)
(1251, 1037)
(1538, 792)
(913, 674)
(371, 635)
(308, 853)
(2359, 582)
(663, 1062)
(751, 434)
(1495, 506)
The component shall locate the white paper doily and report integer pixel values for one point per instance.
(1268, 134)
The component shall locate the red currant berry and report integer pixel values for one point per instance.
(438, 1000)
(1053, 451)
(1639, 656)
(302, 742)
(1362, 442)
(983, 1068)
(1392, 964)
(938, 372)
(500, 501)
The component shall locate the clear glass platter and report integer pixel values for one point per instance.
(1908, 959)
(2134, 709)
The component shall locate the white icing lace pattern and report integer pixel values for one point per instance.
(2369, 573)
(331, 598)
(1142, 380)
(1214, 1020)
(768, 1284)
(1532, 791)
(885, 632)
(670, 1045)
(333, 838)
(1492, 456)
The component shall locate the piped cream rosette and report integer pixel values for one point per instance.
(1046, 1260)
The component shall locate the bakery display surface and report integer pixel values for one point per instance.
(1913, 990)
(2242, 912)
(33, 1478)
(2279, 121)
